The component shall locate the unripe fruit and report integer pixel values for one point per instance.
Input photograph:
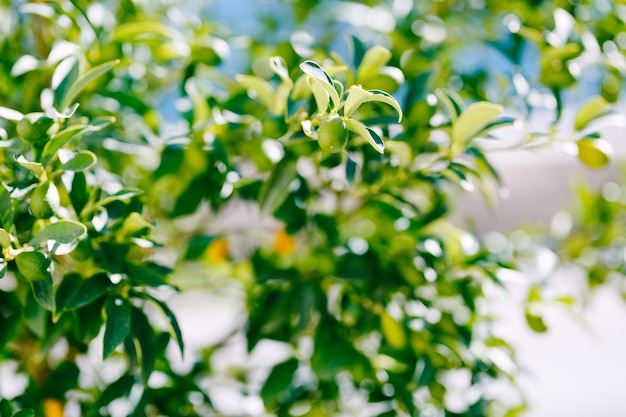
(332, 135)
(34, 127)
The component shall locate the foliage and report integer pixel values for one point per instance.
(136, 136)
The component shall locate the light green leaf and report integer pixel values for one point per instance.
(315, 71)
(278, 65)
(373, 60)
(69, 78)
(125, 194)
(82, 161)
(358, 96)
(5, 239)
(118, 312)
(402, 151)
(276, 188)
(83, 81)
(34, 167)
(536, 322)
(10, 114)
(261, 87)
(319, 92)
(6, 208)
(63, 231)
(474, 119)
(499, 123)
(593, 109)
(145, 30)
(59, 140)
(451, 101)
(594, 152)
(371, 136)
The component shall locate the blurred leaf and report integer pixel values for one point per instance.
(595, 153)
(81, 161)
(6, 209)
(83, 81)
(473, 120)
(393, 331)
(451, 102)
(373, 60)
(277, 384)
(35, 268)
(593, 109)
(10, 114)
(536, 322)
(88, 290)
(276, 188)
(118, 315)
(143, 333)
(171, 319)
(144, 30)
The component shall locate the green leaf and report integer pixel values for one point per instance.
(10, 114)
(169, 315)
(373, 60)
(393, 331)
(35, 268)
(35, 167)
(82, 161)
(59, 140)
(70, 78)
(277, 384)
(592, 110)
(6, 209)
(451, 102)
(81, 83)
(125, 194)
(358, 96)
(5, 239)
(33, 265)
(276, 188)
(315, 71)
(536, 322)
(261, 87)
(63, 231)
(68, 287)
(5, 409)
(118, 314)
(89, 290)
(499, 123)
(278, 65)
(594, 152)
(143, 275)
(473, 120)
(145, 30)
(320, 93)
(34, 315)
(144, 334)
(371, 136)
(25, 413)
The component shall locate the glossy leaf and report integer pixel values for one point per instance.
(315, 71)
(371, 136)
(59, 140)
(81, 161)
(88, 290)
(358, 96)
(34, 266)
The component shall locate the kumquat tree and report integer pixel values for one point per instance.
(301, 163)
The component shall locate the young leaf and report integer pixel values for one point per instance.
(131, 31)
(451, 101)
(71, 75)
(35, 268)
(594, 152)
(315, 71)
(536, 322)
(593, 109)
(63, 231)
(474, 119)
(118, 313)
(276, 188)
(81, 83)
(373, 60)
(278, 65)
(34, 167)
(358, 96)
(320, 93)
(371, 136)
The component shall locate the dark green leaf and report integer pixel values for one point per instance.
(171, 319)
(89, 290)
(277, 384)
(6, 209)
(118, 312)
(144, 275)
(144, 334)
(24, 413)
(70, 78)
